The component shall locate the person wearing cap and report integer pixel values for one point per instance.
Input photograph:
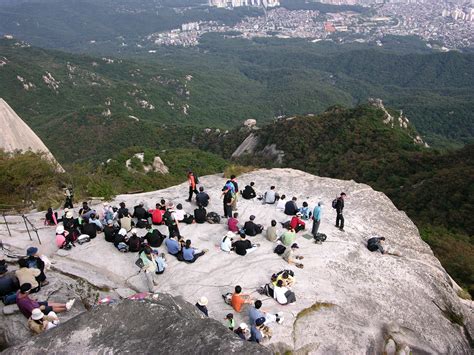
(110, 230)
(201, 304)
(317, 214)
(297, 223)
(9, 284)
(226, 243)
(39, 322)
(249, 192)
(62, 237)
(190, 254)
(134, 242)
(120, 241)
(242, 331)
(291, 208)
(251, 228)
(256, 334)
(243, 246)
(290, 257)
(28, 276)
(288, 237)
(69, 222)
(26, 304)
(34, 261)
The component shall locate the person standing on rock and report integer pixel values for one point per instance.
(339, 206)
(317, 214)
(192, 185)
(149, 268)
(68, 193)
(227, 201)
(234, 182)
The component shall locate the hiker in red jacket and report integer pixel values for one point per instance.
(192, 185)
(297, 223)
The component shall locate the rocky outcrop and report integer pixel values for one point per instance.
(164, 325)
(349, 300)
(250, 144)
(157, 166)
(17, 135)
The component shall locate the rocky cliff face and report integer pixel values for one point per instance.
(349, 300)
(164, 325)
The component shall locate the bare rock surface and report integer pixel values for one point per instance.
(349, 300)
(165, 325)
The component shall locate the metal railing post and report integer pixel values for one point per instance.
(6, 223)
(26, 225)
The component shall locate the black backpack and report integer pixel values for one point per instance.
(213, 218)
(196, 179)
(334, 203)
(168, 218)
(320, 237)
(279, 249)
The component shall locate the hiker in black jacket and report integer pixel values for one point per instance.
(339, 209)
(249, 192)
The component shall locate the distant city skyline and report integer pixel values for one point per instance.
(239, 3)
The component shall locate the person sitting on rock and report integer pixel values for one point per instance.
(149, 268)
(70, 223)
(200, 215)
(173, 246)
(110, 231)
(89, 228)
(251, 229)
(202, 198)
(290, 257)
(9, 284)
(249, 192)
(272, 232)
(239, 299)
(281, 203)
(26, 304)
(282, 294)
(26, 275)
(288, 237)
(39, 322)
(169, 218)
(305, 211)
(62, 237)
(160, 263)
(271, 196)
(154, 238)
(126, 221)
(226, 243)
(51, 218)
(291, 208)
(242, 331)
(156, 215)
(297, 223)
(134, 242)
(375, 244)
(107, 212)
(85, 208)
(98, 224)
(190, 254)
(287, 278)
(201, 304)
(34, 261)
(163, 204)
(122, 210)
(120, 241)
(256, 312)
(139, 211)
(243, 246)
(230, 321)
(182, 216)
(233, 223)
(259, 330)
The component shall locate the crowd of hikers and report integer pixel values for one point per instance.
(119, 226)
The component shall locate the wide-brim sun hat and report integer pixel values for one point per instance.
(59, 229)
(203, 301)
(37, 314)
(69, 214)
(243, 326)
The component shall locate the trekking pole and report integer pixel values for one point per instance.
(26, 225)
(6, 223)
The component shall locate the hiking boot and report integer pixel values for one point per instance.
(342, 229)
(299, 266)
(188, 200)
(70, 303)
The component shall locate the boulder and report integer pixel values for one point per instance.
(164, 325)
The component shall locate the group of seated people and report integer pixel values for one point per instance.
(16, 288)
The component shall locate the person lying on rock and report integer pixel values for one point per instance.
(233, 223)
(271, 234)
(190, 254)
(39, 322)
(297, 223)
(26, 304)
(251, 228)
(226, 243)
(239, 299)
(34, 261)
(9, 284)
(243, 331)
(244, 246)
(201, 304)
(290, 257)
(249, 193)
(256, 312)
(282, 294)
